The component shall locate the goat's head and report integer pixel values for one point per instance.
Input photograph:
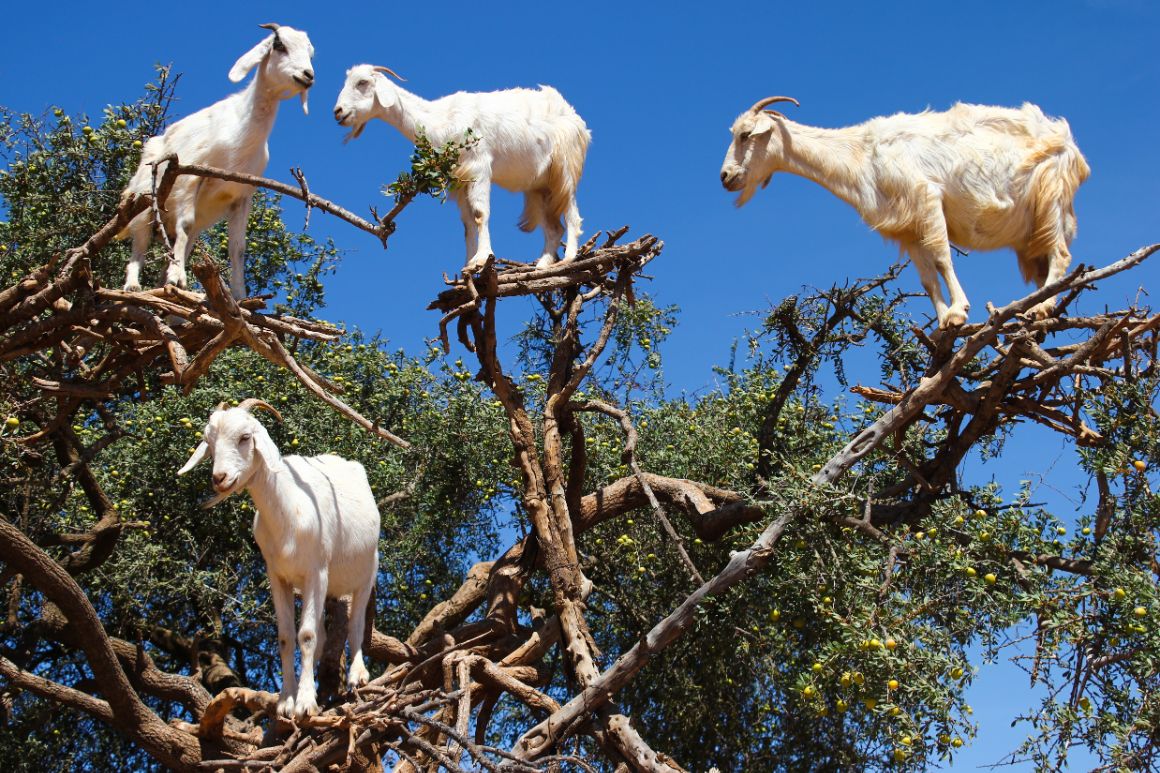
(284, 57)
(756, 150)
(239, 446)
(367, 90)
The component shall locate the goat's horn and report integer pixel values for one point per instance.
(222, 406)
(270, 26)
(388, 71)
(770, 101)
(252, 402)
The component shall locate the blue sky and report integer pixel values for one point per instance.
(659, 85)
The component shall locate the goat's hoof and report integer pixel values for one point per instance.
(1041, 311)
(286, 705)
(305, 706)
(953, 318)
(545, 261)
(132, 287)
(357, 677)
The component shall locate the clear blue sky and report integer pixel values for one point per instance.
(659, 85)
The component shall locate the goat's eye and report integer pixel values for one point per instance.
(743, 136)
(279, 45)
(246, 437)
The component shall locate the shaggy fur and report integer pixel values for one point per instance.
(981, 177)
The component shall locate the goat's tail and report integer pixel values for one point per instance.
(1057, 170)
(569, 149)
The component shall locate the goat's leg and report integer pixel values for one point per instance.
(357, 674)
(237, 219)
(573, 222)
(478, 196)
(1056, 265)
(182, 246)
(468, 225)
(283, 596)
(310, 635)
(928, 275)
(553, 232)
(936, 249)
(141, 230)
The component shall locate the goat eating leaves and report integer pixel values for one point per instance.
(980, 177)
(529, 141)
(317, 526)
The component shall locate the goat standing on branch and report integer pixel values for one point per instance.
(981, 177)
(317, 527)
(230, 134)
(529, 141)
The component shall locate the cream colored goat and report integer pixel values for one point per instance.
(981, 177)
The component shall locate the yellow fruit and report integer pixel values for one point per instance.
(957, 743)
(906, 740)
(775, 615)
(891, 644)
(984, 535)
(1060, 530)
(1120, 594)
(892, 684)
(808, 691)
(858, 678)
(870, 703)
(1139, 611)
(956, 673)
(12, 422)
(980, 513)
(990, 579)
(1085, 531)
(841, 706)
(816, 667)
(959, 521)
(845, 681)
(900, 755)
(1140, 465)
(971, 571)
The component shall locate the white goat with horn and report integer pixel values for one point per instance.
(230, 134)
(981, 177)
(317, 527)
(528, 141)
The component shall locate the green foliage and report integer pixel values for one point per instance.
(433, 170)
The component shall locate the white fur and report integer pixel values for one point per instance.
(980, 177)
(317, 526)
(529, 141)
(230, 134)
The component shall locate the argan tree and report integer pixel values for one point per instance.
(577, 572)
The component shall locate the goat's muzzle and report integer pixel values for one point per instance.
(732, 179)
(221, 482)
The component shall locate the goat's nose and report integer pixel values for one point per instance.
(219, 478)
(724, 175)
(338, 112)
(308, 74)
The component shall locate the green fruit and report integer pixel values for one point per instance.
(12, 422)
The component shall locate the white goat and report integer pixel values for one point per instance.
(230, 134)
(527, 141)
(317, 526)
(981, 177)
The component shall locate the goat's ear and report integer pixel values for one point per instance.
(384, 91)
(247, 60)
(198, 455)
(270, 453)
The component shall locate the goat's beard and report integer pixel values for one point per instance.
(749, 189)
(354, 133)
(216, 499)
